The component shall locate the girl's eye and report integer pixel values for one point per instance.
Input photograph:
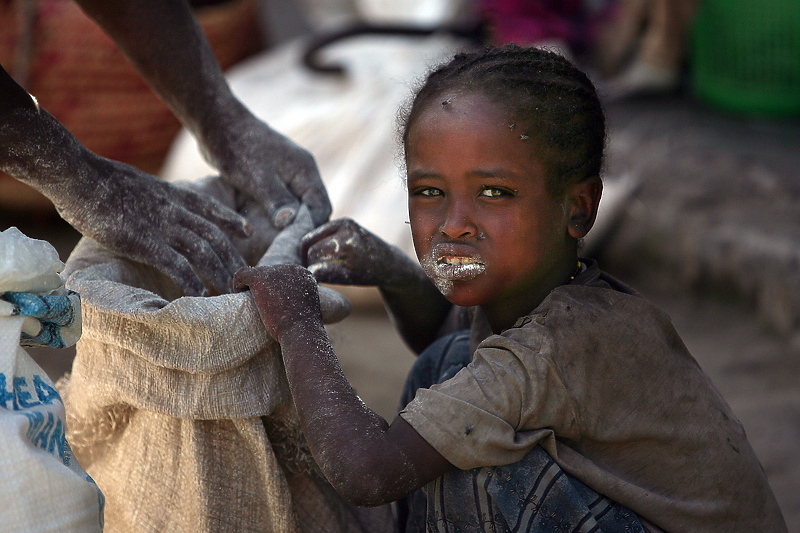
(496, 192)
(429, 192)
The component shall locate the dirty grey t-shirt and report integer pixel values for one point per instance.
(598, 376)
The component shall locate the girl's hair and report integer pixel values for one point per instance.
(551, 101)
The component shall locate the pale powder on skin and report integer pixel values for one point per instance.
(443, 271)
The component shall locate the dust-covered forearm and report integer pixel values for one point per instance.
(168, 47)
(34, 147)
(350, 442)
(368, 461)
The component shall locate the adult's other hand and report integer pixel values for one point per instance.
(265, 164)
(168, 47)
(179, 232)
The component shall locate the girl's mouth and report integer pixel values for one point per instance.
(459, 267)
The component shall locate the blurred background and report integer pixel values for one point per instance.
(701, 210)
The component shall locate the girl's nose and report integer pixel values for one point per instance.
(458, 222)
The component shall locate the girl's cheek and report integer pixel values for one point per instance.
(419, 228)
(422, 245)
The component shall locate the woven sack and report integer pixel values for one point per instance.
(178, 407)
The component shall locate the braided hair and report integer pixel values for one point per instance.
(552, 100)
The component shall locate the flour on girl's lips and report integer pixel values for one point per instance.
(449, 262)
(457, 268)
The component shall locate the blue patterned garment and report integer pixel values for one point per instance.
(54, 313)
(533, 495)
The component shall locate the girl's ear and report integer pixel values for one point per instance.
(582, 201)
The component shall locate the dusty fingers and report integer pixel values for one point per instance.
(204, 243)
(343, 252)
(166, 227)
(273, 169)
(292, 177)
(306, 183)
(177, 268)
(162, 225)
(285, 295)
(210, 209)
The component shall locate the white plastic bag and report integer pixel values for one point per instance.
(43, 487)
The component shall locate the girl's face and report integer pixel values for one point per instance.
(485, 228)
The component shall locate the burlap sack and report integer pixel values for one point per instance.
(179, 408)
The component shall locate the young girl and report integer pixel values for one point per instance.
(569, 403)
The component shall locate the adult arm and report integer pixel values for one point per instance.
(368, 461)
(342, 252)
(122, 208)
(166, 44)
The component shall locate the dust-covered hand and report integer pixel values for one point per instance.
(268, 166)
(169, 48)
(177, 231)
(286, 295)
(344, 253)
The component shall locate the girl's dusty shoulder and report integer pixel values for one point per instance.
(572, 311)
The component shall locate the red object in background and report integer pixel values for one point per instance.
(78, 75)
(535, 21)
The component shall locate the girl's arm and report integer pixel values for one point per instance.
(342, 252)
(368, 461)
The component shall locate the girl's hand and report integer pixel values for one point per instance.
(344, 253)
(285, 295)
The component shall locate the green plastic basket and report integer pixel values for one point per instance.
(745, 55)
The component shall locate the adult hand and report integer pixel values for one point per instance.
(178, 231)
(168, 47)
(119, 206)
(284, 294)
(268, 166)
(344, 253)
